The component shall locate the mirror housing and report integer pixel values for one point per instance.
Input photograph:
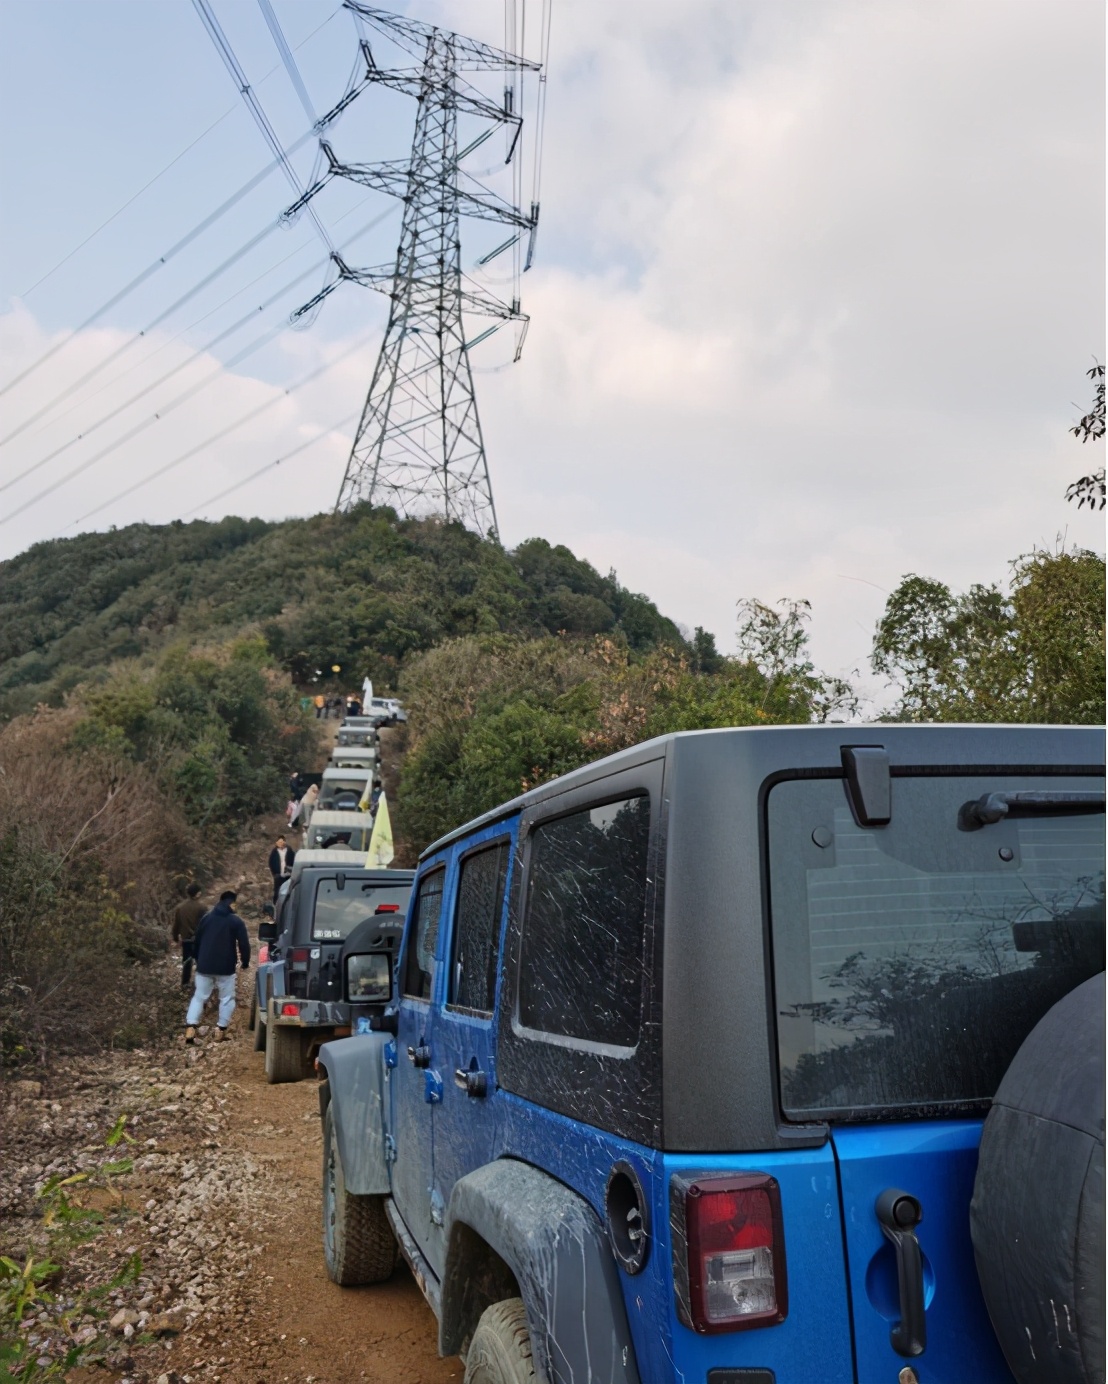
(268, 910)
(267, 932)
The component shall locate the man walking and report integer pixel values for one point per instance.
(280, 864)
(218, 935)
(186, 916)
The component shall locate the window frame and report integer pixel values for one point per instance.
(438, 867)
(502, 838)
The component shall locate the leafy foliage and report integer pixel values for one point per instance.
(492, 716)
(362, 590)
(1032, 654)
(1089, 490)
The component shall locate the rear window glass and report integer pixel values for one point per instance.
(339, 911)
(582, 953)
(910, 961)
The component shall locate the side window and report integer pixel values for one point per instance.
(584, 925)
(477, 928)
(419, 964)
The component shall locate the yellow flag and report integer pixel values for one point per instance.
(367, 794)
(380, 843)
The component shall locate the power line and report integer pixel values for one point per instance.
(159, 263)
(146, 423)
(287, 58)
(214, 499)
(184, 331)
(188, 147)
(134, 198)
(224, 432)
(238, 76)
(196, 354)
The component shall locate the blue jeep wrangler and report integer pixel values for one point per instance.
(691, 1054)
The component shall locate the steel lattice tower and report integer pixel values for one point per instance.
(419, 446)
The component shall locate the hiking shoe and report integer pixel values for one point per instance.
(221, 1035)
(190, 1035)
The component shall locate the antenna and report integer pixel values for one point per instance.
(419, 445)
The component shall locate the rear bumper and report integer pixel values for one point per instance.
(310, 1013)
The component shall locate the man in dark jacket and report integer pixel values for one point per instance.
(280, 864)
(219, 935)
(186, 917)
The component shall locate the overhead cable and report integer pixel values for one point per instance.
(196, 354)
(238, 76)
(287, 58)
(159, 263)
(326, 432)
(230, 428)
(133, 198)
(148, 422)
(211, 312)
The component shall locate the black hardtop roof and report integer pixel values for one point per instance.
(770, 749)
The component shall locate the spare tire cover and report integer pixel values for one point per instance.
(1037, 1214)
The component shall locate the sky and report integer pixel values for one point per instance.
(816, 286)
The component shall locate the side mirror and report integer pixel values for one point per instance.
(267, 932)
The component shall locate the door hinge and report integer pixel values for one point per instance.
(390, 1149)
(438, 1207)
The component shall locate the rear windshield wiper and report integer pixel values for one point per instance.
(991, 808)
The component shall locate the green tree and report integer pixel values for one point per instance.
(1033, 653)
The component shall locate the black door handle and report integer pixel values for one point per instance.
(898, 1215)
(471, 1081)
(420, 1056)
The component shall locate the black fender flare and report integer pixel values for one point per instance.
(555, 1246)
(355, 1072)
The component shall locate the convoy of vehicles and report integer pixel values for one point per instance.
(689, 1054)
(343, 789)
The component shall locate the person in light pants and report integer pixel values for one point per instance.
(219, 935)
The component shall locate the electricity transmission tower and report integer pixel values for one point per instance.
(419, 446)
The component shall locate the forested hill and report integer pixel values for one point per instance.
(361, 590)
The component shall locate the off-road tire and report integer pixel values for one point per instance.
(258, 1027)
(284, 1054)
(500, 1352)
(358, 1244)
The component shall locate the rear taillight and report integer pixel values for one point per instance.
(292, 1010)
(299, 954)
(734, 1257)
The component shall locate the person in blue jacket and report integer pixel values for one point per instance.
(219, 935)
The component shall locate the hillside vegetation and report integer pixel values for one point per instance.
(361, 590)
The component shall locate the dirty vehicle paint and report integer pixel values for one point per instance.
(716, 1021)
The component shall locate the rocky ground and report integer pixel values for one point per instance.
(207, 1264)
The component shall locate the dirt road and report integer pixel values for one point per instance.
(222, 1211)
(302, 1327)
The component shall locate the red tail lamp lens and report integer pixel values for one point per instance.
(299, 954)
(291, 1009)
(387, 908)
(736, 1253)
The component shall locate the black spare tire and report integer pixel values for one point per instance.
(1037, 1215)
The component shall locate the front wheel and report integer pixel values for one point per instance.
(358, 1243)
(500, 1352)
